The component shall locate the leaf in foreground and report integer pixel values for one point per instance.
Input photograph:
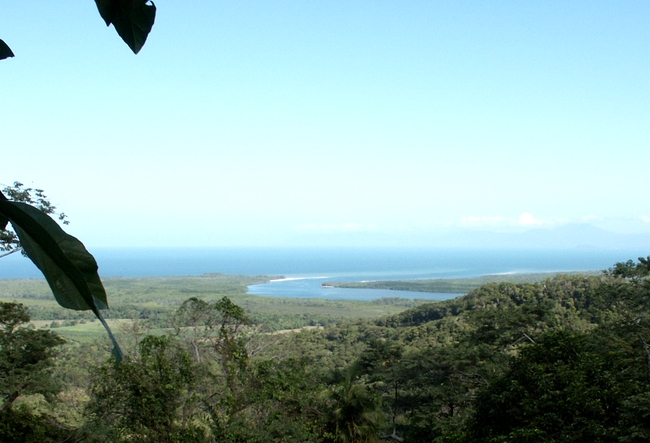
(132, 19)
(5, 50)
(70, 270)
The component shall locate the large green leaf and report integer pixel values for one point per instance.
(62, 277)
(4, 221)
(132, 19)
(70, 270)
(5, 51)
(107, 9)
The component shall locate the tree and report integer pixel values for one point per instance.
(26, 356)
(630, 270)
(354, 411)
(132, 19)
(563, 388)
(213, 333)
(142, 398)
(215, 329)
(26, 364)
(381, 362)
(36, 197)
(627, 294)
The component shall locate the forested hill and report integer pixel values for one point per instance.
(567, 296)
(501, 311)
(565, 359)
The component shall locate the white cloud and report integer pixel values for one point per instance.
(527, 219)
(645, 219)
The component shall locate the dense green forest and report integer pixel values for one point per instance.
(562, 360)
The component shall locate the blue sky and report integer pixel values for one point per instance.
(266, 123)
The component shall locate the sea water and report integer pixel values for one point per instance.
(305, 269)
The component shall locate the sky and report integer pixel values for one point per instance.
(331, 122)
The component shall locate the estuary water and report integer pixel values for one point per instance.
(299, 272)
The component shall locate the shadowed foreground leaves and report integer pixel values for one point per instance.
(132, 19)
(5, 51)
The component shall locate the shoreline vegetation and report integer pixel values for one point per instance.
(451, 285)
(153, 299)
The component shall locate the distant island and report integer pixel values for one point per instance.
(450, 285)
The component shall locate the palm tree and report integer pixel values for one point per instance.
(354, 412)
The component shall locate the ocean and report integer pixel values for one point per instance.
(304, 269)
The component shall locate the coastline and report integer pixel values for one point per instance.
(452, 285)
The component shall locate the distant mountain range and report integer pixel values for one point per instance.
(568, 236)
